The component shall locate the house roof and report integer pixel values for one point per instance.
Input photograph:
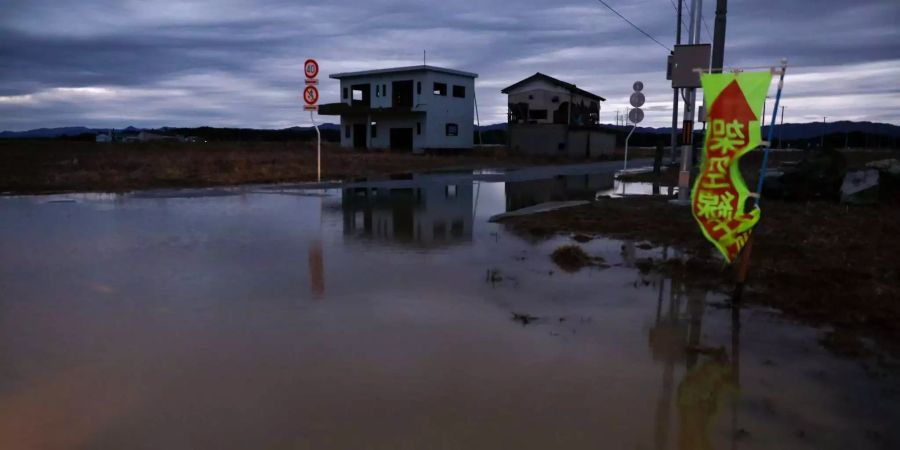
(568, 86)
(421, 68)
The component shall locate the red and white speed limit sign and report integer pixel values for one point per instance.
(311, 95)
(311, 68)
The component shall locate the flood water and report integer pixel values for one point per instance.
(381, 317)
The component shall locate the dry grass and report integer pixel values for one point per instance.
(54, 166)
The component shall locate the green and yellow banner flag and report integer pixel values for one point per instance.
(733, 104)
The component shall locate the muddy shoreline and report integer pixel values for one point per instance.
(820, 262)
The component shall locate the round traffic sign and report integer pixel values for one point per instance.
(311, 68)
(311, 95)
(638, 86)
(637, 99)
(636, 115)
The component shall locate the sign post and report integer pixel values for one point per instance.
(311, 104)
(636, 115)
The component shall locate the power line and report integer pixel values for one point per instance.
(675, 7)
(708, 34)
(689, 13)
(635, 26)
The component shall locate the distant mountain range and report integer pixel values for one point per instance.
(787, 131)
(790, 131)
(45, 133)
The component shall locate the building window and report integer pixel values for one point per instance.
(555, 99)
(357, 95)
(419, 87)
(452, 129)
(419, 128)
(344, 96)
(537, 114)
(377, 91)
(374, 129)
(384, 90)
(450, 191)
(346, 130)
(459, 91)
(440, 89)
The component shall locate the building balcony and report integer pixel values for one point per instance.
(344, 109)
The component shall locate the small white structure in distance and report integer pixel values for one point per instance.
(104, 137)
(413, 108)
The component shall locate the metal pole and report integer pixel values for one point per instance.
(684, 177)
(765, 161)
(674, 134)
(318, 149)
(477, 120)
(625, 167)
(781, 127)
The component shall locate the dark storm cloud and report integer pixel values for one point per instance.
(237, 62)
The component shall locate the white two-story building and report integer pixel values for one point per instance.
(414, 108)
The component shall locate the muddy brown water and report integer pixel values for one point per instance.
(383, 319)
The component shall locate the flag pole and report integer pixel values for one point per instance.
(765, 161)
(744, 263)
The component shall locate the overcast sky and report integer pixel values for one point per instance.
(238, 63)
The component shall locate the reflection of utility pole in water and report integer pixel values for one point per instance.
(667, 337)
(695, 306)
(707, 385)
(676, 337)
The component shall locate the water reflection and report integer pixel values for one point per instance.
(173, 322)
(521, 194)
(710, 380)
(429, 214)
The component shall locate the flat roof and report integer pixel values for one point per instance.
(419, 68)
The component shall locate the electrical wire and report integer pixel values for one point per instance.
(689, 13)
(708, 34)
(633, 25)
(675, 7)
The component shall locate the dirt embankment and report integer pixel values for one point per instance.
(58, 166)
(819, 261)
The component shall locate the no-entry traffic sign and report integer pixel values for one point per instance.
(311, 68)
(311, 95)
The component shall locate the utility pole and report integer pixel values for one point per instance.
(674, 134)
(822, 144)
(718, 50)
(684, 177)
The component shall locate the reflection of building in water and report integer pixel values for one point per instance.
(429, 214)
(521, 194)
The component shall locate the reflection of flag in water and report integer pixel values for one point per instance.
(316, 270)
(701, 395)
